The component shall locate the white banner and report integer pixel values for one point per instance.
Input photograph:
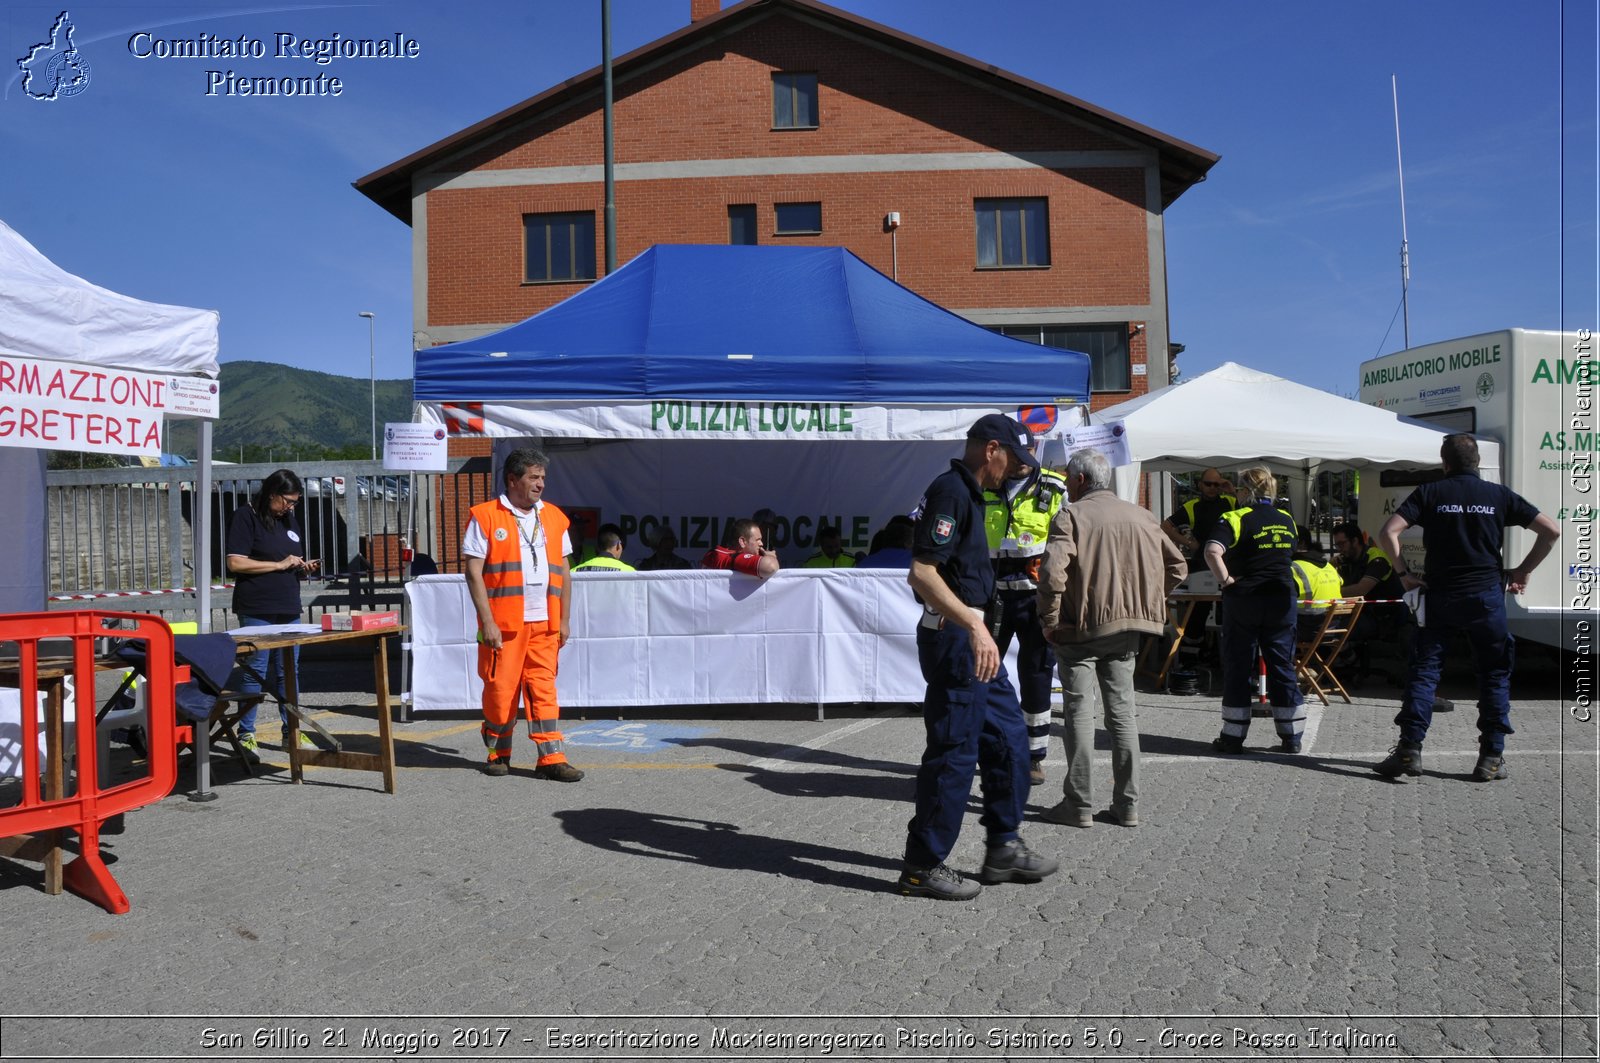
(752, 421)
(695, 638)
(53, 405)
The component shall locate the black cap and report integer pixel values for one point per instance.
(1007, 430)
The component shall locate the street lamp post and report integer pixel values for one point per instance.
(372, 362)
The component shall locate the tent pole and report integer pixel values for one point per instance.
(610, 159)
(202, 533)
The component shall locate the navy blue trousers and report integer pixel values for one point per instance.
(1036, 664)
(1482, 618)
(971, 727)
(1264, 622)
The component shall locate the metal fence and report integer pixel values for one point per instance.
(130, 531)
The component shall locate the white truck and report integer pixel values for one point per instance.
(1535, 393)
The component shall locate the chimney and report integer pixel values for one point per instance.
(703, 9)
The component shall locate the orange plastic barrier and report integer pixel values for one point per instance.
(89, 805)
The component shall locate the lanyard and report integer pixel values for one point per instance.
(531, 540)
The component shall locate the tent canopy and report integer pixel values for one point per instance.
(1234, 414)
(46, 312)
(750, 324)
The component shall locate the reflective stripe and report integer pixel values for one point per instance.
(547, 748)
(1016, 583)
(552, 592)
(503, 592)
(558, 570)
(506, 566)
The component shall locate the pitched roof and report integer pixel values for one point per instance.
(1182, 164)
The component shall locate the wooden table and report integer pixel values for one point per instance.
(1184, 601)
(337, 757)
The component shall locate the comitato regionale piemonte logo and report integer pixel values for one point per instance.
(55, 69)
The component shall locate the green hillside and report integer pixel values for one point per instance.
(294, 411)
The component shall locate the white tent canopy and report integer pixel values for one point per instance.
(1235, 414)
(48, 313)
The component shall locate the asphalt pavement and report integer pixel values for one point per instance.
(721, 885)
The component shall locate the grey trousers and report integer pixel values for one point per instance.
(1108, 661)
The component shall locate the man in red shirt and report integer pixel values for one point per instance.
(748, 554)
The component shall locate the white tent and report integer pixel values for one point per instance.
(47, 313)
(1235, 414)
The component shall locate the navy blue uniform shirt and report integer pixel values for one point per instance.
(950, 534)
(1258, 541)
(1463, 520)
(265, 593)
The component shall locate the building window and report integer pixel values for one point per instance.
(559, 247)
(742, 223)
(1012, 233)
(1106, 346)
(794, 101)
(798, 218)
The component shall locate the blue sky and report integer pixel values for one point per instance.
(1286, 259)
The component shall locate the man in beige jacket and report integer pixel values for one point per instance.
(1107, 572)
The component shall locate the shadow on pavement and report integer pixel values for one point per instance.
(796, 754)
(716, 844)
(871, 786)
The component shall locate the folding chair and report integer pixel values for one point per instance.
(206, 709)
(1314, 657)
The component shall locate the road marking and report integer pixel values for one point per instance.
(788, 758)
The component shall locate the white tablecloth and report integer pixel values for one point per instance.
(805, 636)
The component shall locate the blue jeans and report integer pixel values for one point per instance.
(970, 726)
(266, 664)
(1482, 617)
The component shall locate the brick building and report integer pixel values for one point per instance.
(787, 121)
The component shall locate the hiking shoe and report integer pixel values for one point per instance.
(1015, 862)
(940, 882)
(1228, 744)
(1036, 773)
(1289, 745)
(247, 742)
(1068, 815)
(1129, 818)
(497, 768)
(1490, 766)
(562, 772)
(1404, 758)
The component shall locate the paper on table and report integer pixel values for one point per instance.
(276, 629)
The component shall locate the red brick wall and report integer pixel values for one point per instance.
(716, 103)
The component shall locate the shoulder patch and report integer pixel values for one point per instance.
(943, 528)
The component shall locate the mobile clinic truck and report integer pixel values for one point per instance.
(1535, 394)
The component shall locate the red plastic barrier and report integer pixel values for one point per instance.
(89, 805)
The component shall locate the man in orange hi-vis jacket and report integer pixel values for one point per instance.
(516, 548)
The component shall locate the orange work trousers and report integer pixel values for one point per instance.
(523, 668)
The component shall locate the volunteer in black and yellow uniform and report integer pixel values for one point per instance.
(830, 550)
(1016, 519)
(608, 542)
(1249, 552)
(1316, 584)
(1189, 527)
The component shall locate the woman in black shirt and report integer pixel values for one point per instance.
(266, 559)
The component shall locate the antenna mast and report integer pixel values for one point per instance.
(1405, 246)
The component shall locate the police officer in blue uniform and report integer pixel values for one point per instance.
(971, 713)
(1463, 522)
